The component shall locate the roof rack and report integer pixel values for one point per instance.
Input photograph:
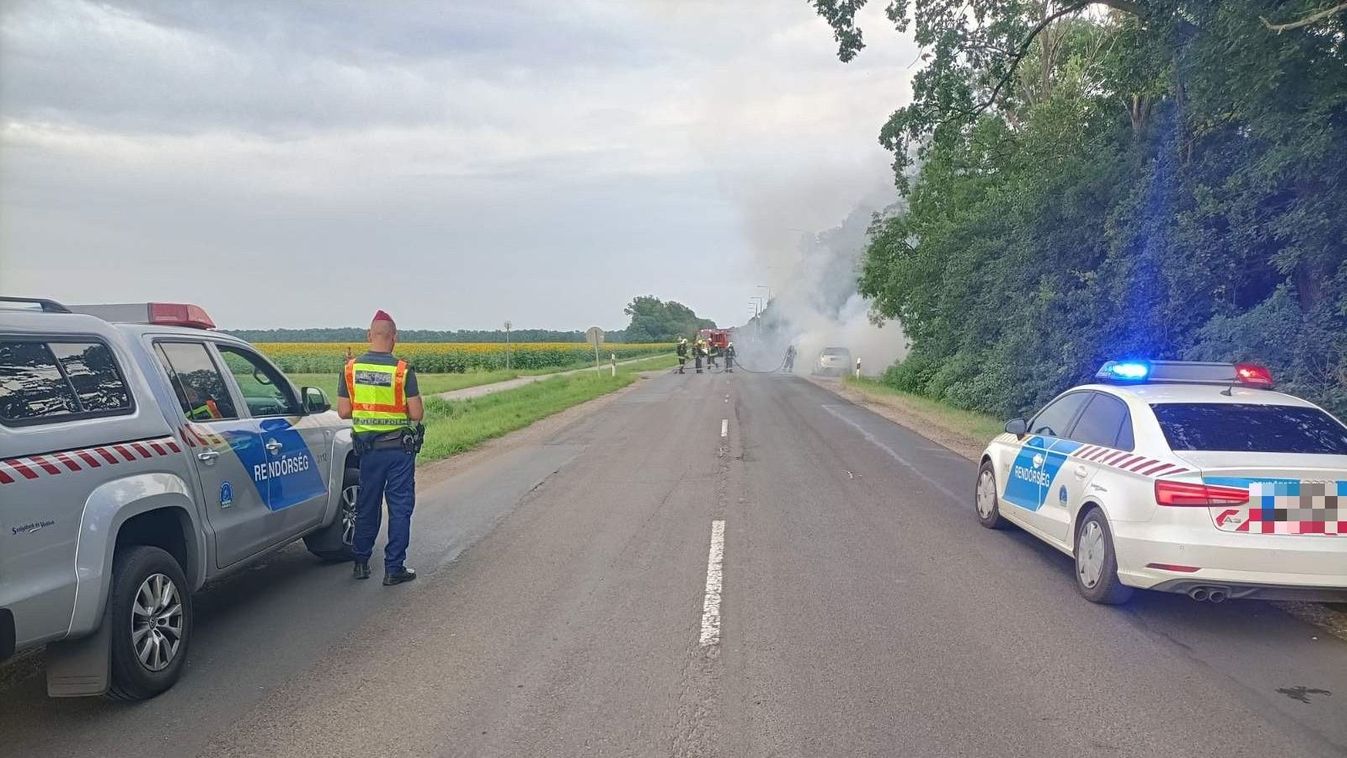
(47, 306)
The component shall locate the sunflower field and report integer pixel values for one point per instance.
(454, 357)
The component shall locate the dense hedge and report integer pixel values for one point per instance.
(1168, 181)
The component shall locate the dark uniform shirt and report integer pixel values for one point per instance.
(380, 359)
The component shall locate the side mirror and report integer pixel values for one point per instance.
(1018, 427)
(315, 400)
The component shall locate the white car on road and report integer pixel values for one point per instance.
(1195, 478)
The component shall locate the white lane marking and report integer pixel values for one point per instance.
(893, 453)
(724, 427)
(711, 605)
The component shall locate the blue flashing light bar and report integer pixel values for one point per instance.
(1124, 371)
(1184, 372)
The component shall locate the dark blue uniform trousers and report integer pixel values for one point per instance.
(385, 474)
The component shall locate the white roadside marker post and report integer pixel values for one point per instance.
(612, 357)
(858, 368)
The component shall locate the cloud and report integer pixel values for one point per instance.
(560, 157)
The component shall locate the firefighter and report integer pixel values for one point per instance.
(729, 357)
(682, 351)
(789, 364)
(713, 350)
(378, 393)
(698, 351)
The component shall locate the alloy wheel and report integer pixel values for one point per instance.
(1090, 554)
(156, 622)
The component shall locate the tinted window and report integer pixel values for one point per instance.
(59, 381)
(1102, 422)
(1237, 427)
(93, 373)
(265, 390)
(199, 385)
(31, 384)
(1055, 419)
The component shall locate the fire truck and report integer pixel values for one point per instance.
(718, 338)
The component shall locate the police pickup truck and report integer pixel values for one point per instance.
(142, 455)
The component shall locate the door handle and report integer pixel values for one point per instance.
(273, 447)
(207, 456)
(1081, 472)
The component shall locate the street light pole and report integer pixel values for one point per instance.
(758, 307)
(507, 345)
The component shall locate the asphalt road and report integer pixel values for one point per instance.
(563, 608)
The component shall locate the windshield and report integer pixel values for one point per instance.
(1237, 427)
(835, 351)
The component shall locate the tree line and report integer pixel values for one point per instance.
(1126, 178)
(357, 334)
(652, 320)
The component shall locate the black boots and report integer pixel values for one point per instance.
(361, 571)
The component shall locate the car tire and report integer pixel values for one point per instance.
(986, 504)
(150, 612)
(333, 542)
(1096, 562)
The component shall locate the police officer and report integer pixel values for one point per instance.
(378, 393)
(682, 351)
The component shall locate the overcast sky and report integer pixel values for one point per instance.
(457, 163)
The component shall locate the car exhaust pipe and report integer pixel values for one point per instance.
(1216, 596)
(1198, 593)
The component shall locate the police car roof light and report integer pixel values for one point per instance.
(1124, 371)
(1253, 375)
(163, 314)
(180, 314)
(1185, 372)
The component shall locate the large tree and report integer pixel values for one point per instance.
(654, 320)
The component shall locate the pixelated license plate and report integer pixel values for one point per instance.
(1289, 508)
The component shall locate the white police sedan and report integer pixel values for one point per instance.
(1180, 477)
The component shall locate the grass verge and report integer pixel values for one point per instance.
(456, 426)
(434, 384)
(967, 423)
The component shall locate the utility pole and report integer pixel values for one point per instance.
(507, 345)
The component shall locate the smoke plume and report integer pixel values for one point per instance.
(814, 300)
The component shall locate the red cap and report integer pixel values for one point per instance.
(382, 316)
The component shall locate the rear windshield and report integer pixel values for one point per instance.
(1236, 427)
(834, 351)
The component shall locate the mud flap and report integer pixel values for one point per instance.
(82, 667)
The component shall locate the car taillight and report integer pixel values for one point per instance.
(1186, 495)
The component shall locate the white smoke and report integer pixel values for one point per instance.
(815, 303)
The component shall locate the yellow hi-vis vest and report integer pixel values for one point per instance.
(378, 396)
